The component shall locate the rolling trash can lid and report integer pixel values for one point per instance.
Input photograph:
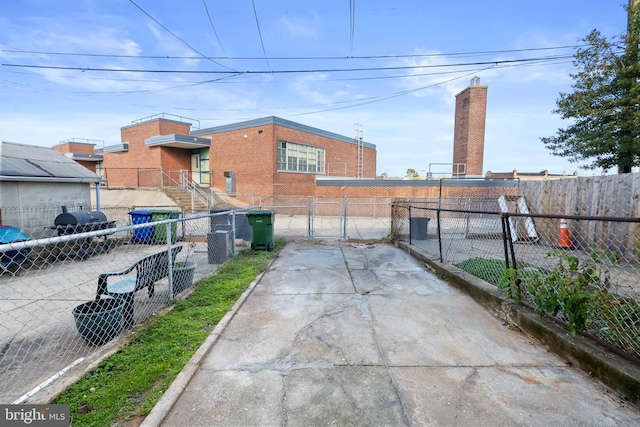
(140, 212)
(165, 213)
(261, 216)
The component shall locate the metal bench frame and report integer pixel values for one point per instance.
(149, 270)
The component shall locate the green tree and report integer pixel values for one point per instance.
(605, 104)
(411, 173)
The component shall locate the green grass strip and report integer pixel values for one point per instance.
(493, 270)
(126, 386)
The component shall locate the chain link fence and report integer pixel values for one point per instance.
(70, 288)
(583, 271)
(327, 217)
(67, 289)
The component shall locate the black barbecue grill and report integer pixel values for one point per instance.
(81, 222)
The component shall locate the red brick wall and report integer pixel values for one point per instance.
(411, 191)
(137, 167)
(468, 136)
(75, 147)
(390, 191)
(89, 165)
(254, 160)
(174, 159)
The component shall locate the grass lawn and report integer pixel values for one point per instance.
(124, 388)
(492, 270)
(487, 269)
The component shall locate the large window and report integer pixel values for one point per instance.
(294, 157)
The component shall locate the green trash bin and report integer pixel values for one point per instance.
(261, 223)
(160, 231)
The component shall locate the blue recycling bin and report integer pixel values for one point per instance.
(144, 234)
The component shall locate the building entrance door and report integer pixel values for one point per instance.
(195, 168)
(200, 167)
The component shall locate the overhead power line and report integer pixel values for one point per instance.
(327, 70)
(176, 36)
(212, 26)
(225, 80)
(394, 95)
(255, 13)
(297, 58)
(352, 23)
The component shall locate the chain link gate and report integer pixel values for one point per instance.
(326, 219)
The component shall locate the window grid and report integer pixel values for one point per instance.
(294, 157)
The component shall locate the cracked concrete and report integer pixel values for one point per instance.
(352, 334)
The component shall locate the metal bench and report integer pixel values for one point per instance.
(149, 270)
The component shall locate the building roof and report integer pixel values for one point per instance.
(21, 162)
(177, 141)
(272, 120)
(528, 175)
(83, 157)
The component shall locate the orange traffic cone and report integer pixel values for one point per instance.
(564, 240)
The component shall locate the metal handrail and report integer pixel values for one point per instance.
(194, 189)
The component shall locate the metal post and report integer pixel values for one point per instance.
(439, 235)
(97, 196)
(169, 257)
(510, 243)
(409, 209)
(233, 228)
(344, 225)
(309, 218)
(503, 221)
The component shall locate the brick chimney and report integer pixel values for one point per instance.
(468, 134)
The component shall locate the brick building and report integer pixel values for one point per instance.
(270, 156)
(468, 135)
(267, 156)
(82, 151)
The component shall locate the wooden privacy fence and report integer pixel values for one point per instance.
(590, 196)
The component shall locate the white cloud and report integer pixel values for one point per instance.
(300, 28)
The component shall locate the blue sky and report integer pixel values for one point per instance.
(392, 66)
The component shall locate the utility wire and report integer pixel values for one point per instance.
(213, 26)
(352, 23)
(395, 95)
(255, 13)
(281, 81)
(176, 36)
(335, 70)
(296, 58)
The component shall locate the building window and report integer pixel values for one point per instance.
(294, 157)
(100, 169)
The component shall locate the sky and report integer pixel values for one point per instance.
(83, 69)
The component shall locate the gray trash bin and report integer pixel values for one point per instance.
(419, 228)
(243, 229)
(219, 244)
(218, 219)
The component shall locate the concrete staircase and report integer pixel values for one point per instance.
(182, 196)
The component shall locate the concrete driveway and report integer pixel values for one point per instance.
(340, 334)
